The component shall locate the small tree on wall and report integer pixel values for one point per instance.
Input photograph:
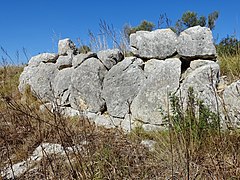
(190, 19)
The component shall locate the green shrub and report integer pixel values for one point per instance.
(230, 65)
(228, 46)
(194, 122)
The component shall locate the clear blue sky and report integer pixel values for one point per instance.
(37, 24)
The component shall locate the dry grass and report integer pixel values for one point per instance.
(9, 80)
(230, 66)
(109, 153)
(217, 157)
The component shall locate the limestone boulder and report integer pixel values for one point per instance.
(25, 77)
(121, 84)
(80, 58)
(162, 79)
(64, 62)
(231, 98)
(110, 57)
(158, 44)
(108, 121)
(203, 77)
(66, 46)
(86, 86)
(44, 57)
(61, 86)
(193, 65)
(40, 79)
(196, 42)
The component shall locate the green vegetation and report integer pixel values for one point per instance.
(190, 19)
(197, 122)
(229, 45)
(230, 65)
(194, 146)
(229, 57)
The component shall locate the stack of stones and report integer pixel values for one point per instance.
(117, 91)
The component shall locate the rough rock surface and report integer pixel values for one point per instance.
(203, 77)
(61, 86)
(231, 97)
(44, 57)
(196, 42)
(66, 46)
(87, 86)
(79, 58)
(121, 84)
(25, 77)
(194, 65)
(162, 79)
(111, 122)
(40, 79)
(158, 44)
(69, 112)
(64, 62)
(110, 57)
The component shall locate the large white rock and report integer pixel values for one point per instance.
(162, 79)
(110, 57)
(203, 77)
(231, 97)
(121, 84)
(86, 86)
(158, 44)
(79, 58)
(196, 42)
(40, 79)
(44, 57)
(64, 62)
(66, 46)
(61, 86)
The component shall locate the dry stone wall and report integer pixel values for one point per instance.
(113, 90)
